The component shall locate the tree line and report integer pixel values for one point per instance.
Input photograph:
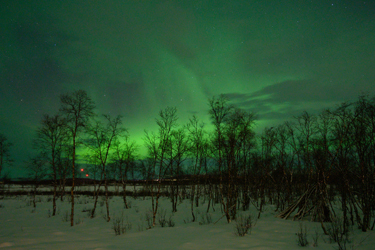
(303, 164)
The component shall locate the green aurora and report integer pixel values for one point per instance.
(135, 57)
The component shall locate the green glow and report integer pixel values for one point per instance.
(134, 58)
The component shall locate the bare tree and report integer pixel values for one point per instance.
(5, 146)
(77, 107)
(64, 163)
(364, 142)
(319, 152)
(239, 143)
(232, 141)
(219, 112)
(197, 150)
(158, 147)
(177, 155)
(37, 171)
(100, 141)
(236, 135)
(124, 157)
(50, 137)
(306, 126)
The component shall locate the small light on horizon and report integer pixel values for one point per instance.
(81, 169)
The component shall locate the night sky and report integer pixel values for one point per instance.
(134, 58)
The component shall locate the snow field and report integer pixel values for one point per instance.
(23, 227)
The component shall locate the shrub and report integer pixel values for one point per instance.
(65, 216)
(302, 236)
(89, 212)
(170, 222)
(205, 219)
(243, 225)
(29, 203)
(78, 221)
(105, 217)
(140, 226)
(187, 220)
(119, 226)
(82, 200)
(161, 215)
(337, 233)
(315, 238)
(148, 217)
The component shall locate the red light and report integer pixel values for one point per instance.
(87, 175)
(81, 169)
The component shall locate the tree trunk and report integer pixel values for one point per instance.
(96, 196)
(106, 196)
(54, 198)
(124, 194)
(192, 202)
(72, 189)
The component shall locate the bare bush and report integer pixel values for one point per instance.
(105, 216)
(120, 226)
(149, 219)
(170, 222)
(89, 213)
(141, 226)
(243, 225)
(187, 220)
(338, 233)
(205, 219)
(161, 214)
(66, 216)
(316, 238)
(82, 200)
(302, 235)
(129, 203)
(78, 221)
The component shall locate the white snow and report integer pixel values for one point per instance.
(23, 227)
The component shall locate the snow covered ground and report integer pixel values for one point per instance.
(23, 227)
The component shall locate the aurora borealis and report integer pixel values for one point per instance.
(275, 58)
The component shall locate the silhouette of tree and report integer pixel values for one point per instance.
(5, 146)
(77, 108)
(50, 137)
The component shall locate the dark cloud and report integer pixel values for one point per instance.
(35, 66)
(124, 97)
(278, 93)
(193, 112)
(291, 98)
(294, 92)
(173, 24)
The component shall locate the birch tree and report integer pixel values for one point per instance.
(5, 146)
(158, 146)
(100, 142)
(77, 108)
